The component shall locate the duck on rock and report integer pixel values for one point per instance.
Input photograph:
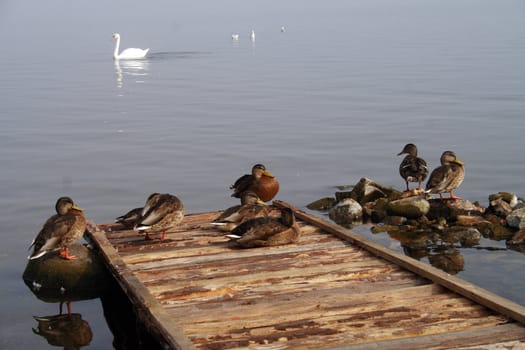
(447, 177)
(61, 230)
(267, 231)
(160, 213)
(412, 168)
(260, 181)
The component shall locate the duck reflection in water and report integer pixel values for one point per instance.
(68, 330)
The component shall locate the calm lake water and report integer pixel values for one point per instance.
(332, 99)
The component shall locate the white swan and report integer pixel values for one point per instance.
(253, 35)
(235, 37)
(127, 54)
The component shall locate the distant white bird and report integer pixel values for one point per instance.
(253, 35)
(127, 54)
(282, 29)
(235, 37)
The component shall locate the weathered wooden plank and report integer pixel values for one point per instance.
(222, 249)
(468, 290)
(449, 340)
(275, 281)
(337, 320)
(184, 296)
(196, 238)
(406, 303)
(153, 315)
(247, 264)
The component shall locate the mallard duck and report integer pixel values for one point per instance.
(261, 181)
(251, 207)
(267, 231)
(161, 212)
(447, 177)
(132, 217)
(412, 168)
(60, 230)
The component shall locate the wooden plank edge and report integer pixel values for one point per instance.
(471, 291)
(150, 311)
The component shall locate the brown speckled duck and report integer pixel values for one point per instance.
(447, 177)
(60, 230)
(412, 168)
(268, 231)
(160, 213)
(261, 181)
(132, 217)
(251, 207)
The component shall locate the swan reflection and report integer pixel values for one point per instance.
(131, 69)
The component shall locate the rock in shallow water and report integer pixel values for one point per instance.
(411, 207)
(451, 209)
(322, 204)
(346, 212)
(516, 218)
(52, 278)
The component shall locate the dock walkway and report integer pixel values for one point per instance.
(333, 289)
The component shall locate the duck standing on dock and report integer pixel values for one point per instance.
(130, 219)
(447, 177)
(60, 230)
(268, 231)
(260, 181)
(161, 212)
(251, 207)
(133, 217)
(412, 168)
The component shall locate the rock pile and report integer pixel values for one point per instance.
(418, 220)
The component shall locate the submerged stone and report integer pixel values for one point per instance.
(449, 260)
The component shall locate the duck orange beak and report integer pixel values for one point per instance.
(267, 173)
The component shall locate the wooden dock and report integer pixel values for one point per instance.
(333, 289)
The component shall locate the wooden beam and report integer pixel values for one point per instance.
(154, 316)
(455, 284)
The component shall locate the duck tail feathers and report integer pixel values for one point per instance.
(37, 255)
